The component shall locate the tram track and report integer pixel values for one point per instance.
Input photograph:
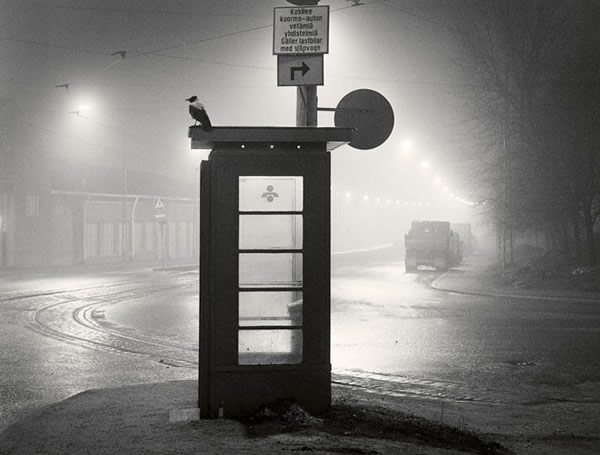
(71, 319)
(75, 316)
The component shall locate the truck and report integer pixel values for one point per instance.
(467, 238)
(433, 244)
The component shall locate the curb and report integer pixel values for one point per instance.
(499, 294)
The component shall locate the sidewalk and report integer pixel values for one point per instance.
(85, 269)
(472, 277)
(141, 419)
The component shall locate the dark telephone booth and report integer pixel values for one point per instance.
(265, 268)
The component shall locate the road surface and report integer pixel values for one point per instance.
(61, 334)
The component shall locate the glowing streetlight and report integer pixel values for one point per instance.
(406, 145)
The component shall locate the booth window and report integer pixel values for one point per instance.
(270, 270)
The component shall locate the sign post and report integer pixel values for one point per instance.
(161, 217)
(300, 38)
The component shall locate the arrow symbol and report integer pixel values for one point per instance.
(304, 68)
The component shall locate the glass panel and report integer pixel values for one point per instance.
(270, 308)
(264, 269)
(271, 194)
(266, 347)
(270, 231)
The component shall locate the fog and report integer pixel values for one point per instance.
(104, 83)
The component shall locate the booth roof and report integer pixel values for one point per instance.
(260, 136)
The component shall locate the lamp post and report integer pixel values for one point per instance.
(126, 250)
(125, 228)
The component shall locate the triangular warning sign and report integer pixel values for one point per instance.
(159, 204)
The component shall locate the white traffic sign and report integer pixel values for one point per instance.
(301, 30)
(299, 70)
(159, 211)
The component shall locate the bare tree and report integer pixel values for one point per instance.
(535, 120)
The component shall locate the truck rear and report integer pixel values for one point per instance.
(432, 244)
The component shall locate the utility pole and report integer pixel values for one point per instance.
(306, 105)
(125, 250)
(507, 233)
(306, 95)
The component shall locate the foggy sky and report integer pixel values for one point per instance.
(222, 52)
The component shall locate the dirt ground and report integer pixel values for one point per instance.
(135, 420)
(552, 270)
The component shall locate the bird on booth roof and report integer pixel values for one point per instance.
(198, 113)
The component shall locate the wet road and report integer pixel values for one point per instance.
(474, 347)
(65, 333)
(55, 340)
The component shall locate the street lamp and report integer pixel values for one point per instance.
(127, 225)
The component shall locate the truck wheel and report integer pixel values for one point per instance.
(443, 267)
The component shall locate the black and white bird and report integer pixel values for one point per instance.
(198, 113)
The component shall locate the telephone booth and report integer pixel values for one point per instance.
(265, 268)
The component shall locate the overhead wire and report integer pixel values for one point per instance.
(130, 10)
(162, 51)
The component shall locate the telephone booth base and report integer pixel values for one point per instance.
(243, 391)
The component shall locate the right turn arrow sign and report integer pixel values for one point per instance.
(300, 70)
(304, 68)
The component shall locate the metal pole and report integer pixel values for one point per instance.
(162, 242)
(125, 219)
(306, 105)
(507, 246)
(132, 243)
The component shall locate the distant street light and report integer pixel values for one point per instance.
(407, 146)
(80, 110)
(127, 247)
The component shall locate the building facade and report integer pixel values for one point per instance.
(57, 213)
